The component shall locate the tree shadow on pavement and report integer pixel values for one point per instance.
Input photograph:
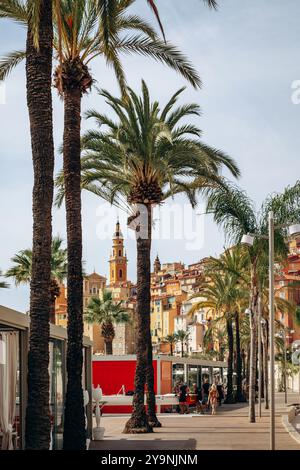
(143, 444)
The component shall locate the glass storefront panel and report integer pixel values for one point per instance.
(224, 376)
(10, 409)
(192, 376)
(177, 374)
(217, 375)
(57, 392)
(205, 374)
(13, 382)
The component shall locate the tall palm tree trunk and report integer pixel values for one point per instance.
(138, 422)
(52, 309)
(108, 347)
(244, 363)
(153, 421)
(74, 427)
(239, 361)
(221, 352)
(265, 365)
(253, 343)
(54, 293)
(39, 102)
(248, 366)
(229, 396)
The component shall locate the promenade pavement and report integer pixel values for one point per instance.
(228, 430)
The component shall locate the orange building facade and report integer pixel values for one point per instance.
(287, 286)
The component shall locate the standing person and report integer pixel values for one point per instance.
(220, 393)
(198, 393)
(213, 398)
(205, 393)
(176, 392)
(183, 392)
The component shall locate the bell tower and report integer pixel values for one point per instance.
(118, 259)
(157, 265)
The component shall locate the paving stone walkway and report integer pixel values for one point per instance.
(228, 430)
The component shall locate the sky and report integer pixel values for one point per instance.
(247, 54)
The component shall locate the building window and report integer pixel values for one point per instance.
(120, 253)
(120, 273)
(94, 290)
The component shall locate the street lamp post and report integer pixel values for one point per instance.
(259, 357)
(272, 331)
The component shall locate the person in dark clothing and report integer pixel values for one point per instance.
(220, 393)
(205, 393)
(183, 392)
(198, 393)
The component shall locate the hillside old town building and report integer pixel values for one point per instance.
(172, 285)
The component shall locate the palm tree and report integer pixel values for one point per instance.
(234, 262)
(39, 102)
(215, 334)
(106, 313)
(3, 285)
(221, 295)
(235, 212)
(182, 337)
(21, 271)
(283, 306)
(140, 160)
(85, 30)
(171, 340)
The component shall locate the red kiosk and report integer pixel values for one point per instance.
(115, 375)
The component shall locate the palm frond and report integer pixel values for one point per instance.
(107, 15)
(212, 4)
(233, 210)
(14, 10)
(161, 52)
(9, 62)
(3, 285)
(34, 11)
(137, 148)
(153, 7)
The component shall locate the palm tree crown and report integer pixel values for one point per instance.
(105, 310)
(106, 313)
(182, 337)
(147, 155)
(21, 270)
(87, 29)
(235, 212)
(171, 340)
